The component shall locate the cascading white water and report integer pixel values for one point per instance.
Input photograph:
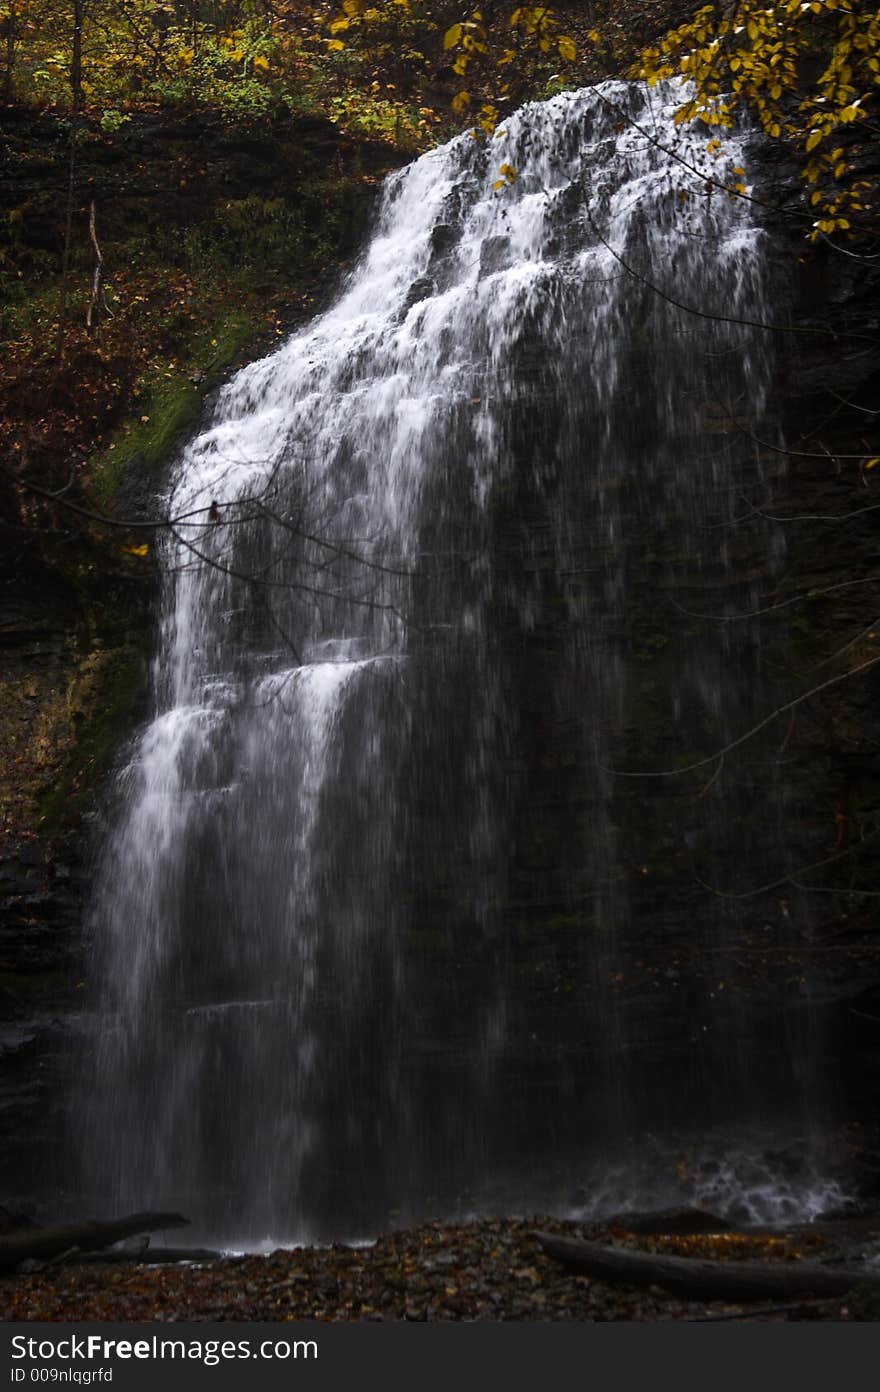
(367, 918)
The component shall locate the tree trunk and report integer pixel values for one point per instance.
(98, 299)
(68, 237)
(150, 1256)
(11, 36)
(707, 1280)
(76, 55)
(43, 1243)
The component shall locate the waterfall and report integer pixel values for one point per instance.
(382, 927)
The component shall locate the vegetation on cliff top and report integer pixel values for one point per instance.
(181, 181)
(110, 81)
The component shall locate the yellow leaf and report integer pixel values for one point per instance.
(461, 100)
(567, 49)
(813, 139)
(872, 463)
(452, 36)
(136, 550)
(334, 45)
(261, 62)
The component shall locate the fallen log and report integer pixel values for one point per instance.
(150, 1256)
(668, 1222)
(39, 1244)
(760, 1312)
(705, 1279)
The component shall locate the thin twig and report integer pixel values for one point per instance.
(755, 729)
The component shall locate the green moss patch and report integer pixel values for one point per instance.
(169, 410)
(107, 700)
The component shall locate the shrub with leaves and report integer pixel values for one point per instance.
(533, 35)
(807, 70)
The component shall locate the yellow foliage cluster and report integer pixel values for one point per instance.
(360, 15)
(806, 69)
(533, 32)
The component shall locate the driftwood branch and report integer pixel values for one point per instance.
(707, 1280)
(147, 1256)
(41, 1244)
(761, 1312)
(667, 1222)
(98, 299)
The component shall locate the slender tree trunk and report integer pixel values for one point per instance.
(76, 56)
(65, 255)
(98, 300)
(10, 36)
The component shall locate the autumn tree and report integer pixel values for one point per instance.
(533, 33)
(807, 70)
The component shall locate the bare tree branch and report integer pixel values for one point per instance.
(742, 739)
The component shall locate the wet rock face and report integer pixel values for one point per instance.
(829, 385)
(69, 678)
(421, 289)
(495, 255)
(41, 951)
(41, 891)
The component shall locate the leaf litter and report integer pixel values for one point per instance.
(491, 1269)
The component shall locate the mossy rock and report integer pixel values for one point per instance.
(170, 410)
(105, 696)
